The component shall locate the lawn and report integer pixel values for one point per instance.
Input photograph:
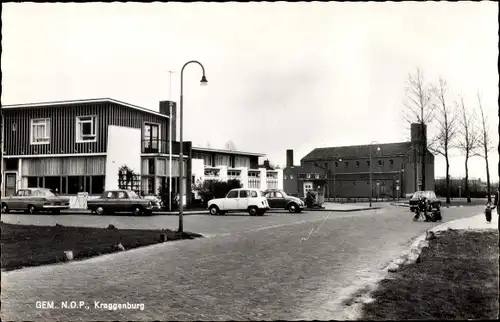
(24, 245)
(456, 278)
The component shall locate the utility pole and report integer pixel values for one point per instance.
(170, 145)
(1, 153)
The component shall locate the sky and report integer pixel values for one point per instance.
(280, 75)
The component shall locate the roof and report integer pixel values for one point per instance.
(358, 151)
(75, 102)
(194, 148)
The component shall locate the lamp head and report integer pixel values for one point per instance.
(340, 159)
(378, 148)
(204, 81)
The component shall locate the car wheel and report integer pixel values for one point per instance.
(252, 211)
(5, 208)
(31, 209)
(99, 210)
(292, 208)
(214, 210)
(137, 210)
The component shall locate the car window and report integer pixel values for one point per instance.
(232, 194)
(278, 194)
(254, 194)
(27, 193)
(122, 195)
(269, 194)
(37, 193)
(20, 193)
(111, 195)
(244, 193)
(262, 194)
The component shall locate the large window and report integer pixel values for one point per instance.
(40, 131)
(222, 160)
(86, 129)
(75, 184)
(32, 182)
(97, 185)
(53, 183)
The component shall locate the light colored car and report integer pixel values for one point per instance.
(155, 201)
(243, 199)
(32, 200)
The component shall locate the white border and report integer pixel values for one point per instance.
(49, 128)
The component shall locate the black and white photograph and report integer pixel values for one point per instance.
(249, 161)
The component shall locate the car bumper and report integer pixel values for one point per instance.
(55, 207)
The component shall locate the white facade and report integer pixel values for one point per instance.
(124, 148)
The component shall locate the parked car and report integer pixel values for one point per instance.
(155, 201)
(112, 201)
(279, 199)
(242, 199)
(33, 200)
(433, 201)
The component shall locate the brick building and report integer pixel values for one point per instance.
(344, 172)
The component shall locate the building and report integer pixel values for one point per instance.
(344, 172)
(80, 146)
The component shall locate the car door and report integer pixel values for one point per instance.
(279, 200)
(243, 199)
(15, 201)
(231, 200)
(24, 199)
(123, 201)
(108, 201)
(270, 199)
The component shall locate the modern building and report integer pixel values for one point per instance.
(80, 146)
(344, 172)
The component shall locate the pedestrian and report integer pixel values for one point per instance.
(487, 212)
(495, 201)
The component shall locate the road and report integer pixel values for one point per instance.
(250, 268)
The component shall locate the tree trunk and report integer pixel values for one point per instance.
(488, 176)
(447, 179)
(466, 182)
(424, 148)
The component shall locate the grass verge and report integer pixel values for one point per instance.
(456, 278)
(24, 245)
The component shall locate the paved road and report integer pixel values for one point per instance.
(252, 268)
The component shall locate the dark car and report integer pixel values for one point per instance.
(279, 199)
(433, 201)
(112, 201)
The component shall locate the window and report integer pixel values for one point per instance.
(391, 162)
(232, 194)
(97, 185)
(269, 195)
(40, 131)
(132, 195)
(291, 177)
(278, 195)
(85, 129)
(357, 164)
(151, 166)
(75, 184)
(11, 164)
(254, 194)
(122, 195)
(326, 164)
(32, 182)
(111, 195)
(244, 194)
(379, 163)
(150, 185)
(368, 163)
(354, 184)
(53, 183)
(284, 177)
(336, 164)
(346, 164)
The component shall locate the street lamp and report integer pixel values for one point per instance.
(334, 176)
(181, 156)
(371, 187)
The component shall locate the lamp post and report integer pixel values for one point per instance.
(334, 175)
(371, 187)
(181, 156)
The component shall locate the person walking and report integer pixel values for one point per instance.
(487, 212)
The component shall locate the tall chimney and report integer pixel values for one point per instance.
(289, 158)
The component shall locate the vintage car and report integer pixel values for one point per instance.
(279, 199)
(242, 199)
(430, 196)
(32, 200)
(112, 201)
(155, 201)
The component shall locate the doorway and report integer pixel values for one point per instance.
(10, 183)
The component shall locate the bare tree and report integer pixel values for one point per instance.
(446, 129)
(230, 146)
(468, 141)
(419, 110)
(486, 144)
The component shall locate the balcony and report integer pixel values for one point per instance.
(158, 146)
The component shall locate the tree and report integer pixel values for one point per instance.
(209, 189)
(485, 144)
(419, 110)
(468, 142)
(230, 146)
(446, 129)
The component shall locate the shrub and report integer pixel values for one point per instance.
(210, 189)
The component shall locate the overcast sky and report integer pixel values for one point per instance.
(281, 75)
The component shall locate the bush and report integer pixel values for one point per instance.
(210, 189)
